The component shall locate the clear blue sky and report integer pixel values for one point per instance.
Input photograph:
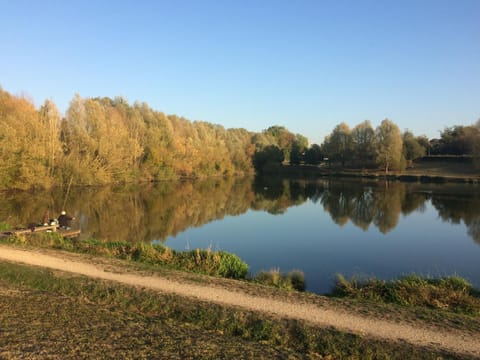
(307, 65)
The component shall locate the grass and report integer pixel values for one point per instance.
(47, 315)
(451, 293)
(215, 263)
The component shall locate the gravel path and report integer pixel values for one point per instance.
(449, 340)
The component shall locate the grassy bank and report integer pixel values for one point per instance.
(47, 315)
(207, 262)
(215, 263)
(451, 293)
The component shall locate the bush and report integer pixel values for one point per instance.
(294, 280)
(231, 266)
(209, 262)
(297, 279)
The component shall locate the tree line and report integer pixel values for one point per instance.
(388, 148)
(104, 141)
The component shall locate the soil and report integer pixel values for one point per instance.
(318, 313)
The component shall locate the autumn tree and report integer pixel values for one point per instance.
(282, 138)
(50, 119)
(24, 151)
(389, 145)
(101, 141)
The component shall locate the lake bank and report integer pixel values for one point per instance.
(352, 336)
(439, 170)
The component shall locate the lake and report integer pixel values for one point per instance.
(322, 227)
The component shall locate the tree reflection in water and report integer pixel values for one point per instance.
(156, 211)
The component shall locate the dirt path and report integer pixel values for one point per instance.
(449, 340)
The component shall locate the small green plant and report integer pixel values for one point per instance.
(4, 226)
(231, 266)
(293, 280)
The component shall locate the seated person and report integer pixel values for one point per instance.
(64, 220)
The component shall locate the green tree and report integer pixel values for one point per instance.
(299, 146)
(338, 145)
(425, 143)
(458, 140)
(475, 140)
(389, 145)
(412, 148)
(314, 155)
(363, 142)
(269, 156)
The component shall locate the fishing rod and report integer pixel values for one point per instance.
(66, 194)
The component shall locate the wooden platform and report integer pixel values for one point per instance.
(68, 233)
(71, 233)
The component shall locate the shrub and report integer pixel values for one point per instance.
(231, 266)
(294, 280)
(297, 279)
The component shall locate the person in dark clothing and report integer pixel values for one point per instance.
(64, 220)
(46, 218)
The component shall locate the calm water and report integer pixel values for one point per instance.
(321, 227)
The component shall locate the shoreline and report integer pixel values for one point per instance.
(309, 172)
(342, 315)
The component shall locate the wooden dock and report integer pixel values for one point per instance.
(67, 233)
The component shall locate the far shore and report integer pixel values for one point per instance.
(427, 170)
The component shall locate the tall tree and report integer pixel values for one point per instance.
(270, 156)
(314, 155)
(299, 146)
(389, 145)
(338, 145)
(282, 138)
(412, 148)
(363, 142)
(50, 119)
(23, 152)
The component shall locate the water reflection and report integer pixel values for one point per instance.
(157, 211)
